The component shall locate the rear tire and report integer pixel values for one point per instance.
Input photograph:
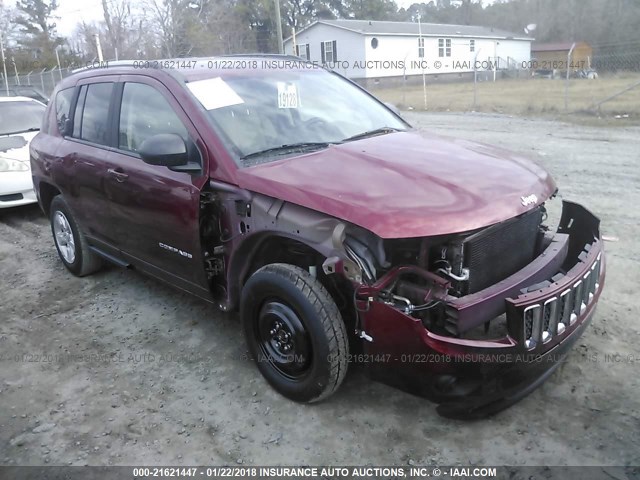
(71, 244)
(294, 332)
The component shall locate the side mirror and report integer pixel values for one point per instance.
(393, 108)
(66, 127)
(165, 150)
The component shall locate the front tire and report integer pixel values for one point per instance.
(71, 244)
(294, 332)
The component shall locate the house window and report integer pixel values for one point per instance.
(302, 51)
(421, 47)
(472, 45)
(444, 47)
(329, 52)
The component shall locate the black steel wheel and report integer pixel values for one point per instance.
(294, 332)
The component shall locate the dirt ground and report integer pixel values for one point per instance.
(118, 369)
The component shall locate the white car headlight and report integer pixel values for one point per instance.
(10, 165)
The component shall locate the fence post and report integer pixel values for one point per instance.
(566, 84)
(42, 78)
(475, 78)
(4, 65)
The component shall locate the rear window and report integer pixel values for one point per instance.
(92, 113)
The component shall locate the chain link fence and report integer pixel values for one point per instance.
(43, 80)
(605, 85)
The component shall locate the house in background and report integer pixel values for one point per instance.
(386, 51)
(553, 56)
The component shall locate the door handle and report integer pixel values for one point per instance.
(120, 176)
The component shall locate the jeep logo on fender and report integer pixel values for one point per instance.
(529, 200)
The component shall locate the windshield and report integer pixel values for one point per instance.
(266, 115)
(18, 117)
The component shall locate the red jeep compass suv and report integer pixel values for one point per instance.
(272, 186)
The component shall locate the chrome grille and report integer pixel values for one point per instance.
(544, 321)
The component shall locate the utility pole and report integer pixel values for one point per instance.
(4, 65)
(58, 60)
(424, 78)
(279, 28)
(99, 48)
(293, 37)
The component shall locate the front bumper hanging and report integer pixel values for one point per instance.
(477, 378)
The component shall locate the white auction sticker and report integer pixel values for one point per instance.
(287, 95)
(214, 93)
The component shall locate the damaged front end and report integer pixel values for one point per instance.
(476, 321)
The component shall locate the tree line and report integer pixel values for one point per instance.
(147, 29)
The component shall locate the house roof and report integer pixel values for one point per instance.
(554, 47)
(374, 27)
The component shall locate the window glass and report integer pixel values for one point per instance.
(328, 51)
(302, 50)
(144, 113)
(444, 47)
(63, 107)
(256, 120)
(20, 117)
(95, 113)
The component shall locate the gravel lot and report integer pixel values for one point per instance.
(179, 388)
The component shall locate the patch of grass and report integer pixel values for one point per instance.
(528, 97)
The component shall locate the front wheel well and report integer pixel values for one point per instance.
(277, 249)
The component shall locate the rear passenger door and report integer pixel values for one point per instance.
(155, 210)
(84, 156)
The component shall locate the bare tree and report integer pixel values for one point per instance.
(8, 26)
(170, 21)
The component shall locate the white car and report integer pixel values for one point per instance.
(20, 120)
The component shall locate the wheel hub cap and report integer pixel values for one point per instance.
(64, 237)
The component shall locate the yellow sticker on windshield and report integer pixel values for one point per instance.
(287, 95)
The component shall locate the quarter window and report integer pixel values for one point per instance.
(145, 113)
(63, 107)
(444, 47)
(92, 125)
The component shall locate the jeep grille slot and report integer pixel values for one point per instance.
(552, 318)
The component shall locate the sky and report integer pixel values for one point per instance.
(72, 12)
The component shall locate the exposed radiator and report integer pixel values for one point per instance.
(498, 251)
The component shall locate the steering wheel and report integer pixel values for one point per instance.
(317, 123)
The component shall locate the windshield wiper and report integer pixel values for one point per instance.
(372, 133)
(32, 129)
(287, 148)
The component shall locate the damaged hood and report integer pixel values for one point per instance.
(407, 184)
(16, 146)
